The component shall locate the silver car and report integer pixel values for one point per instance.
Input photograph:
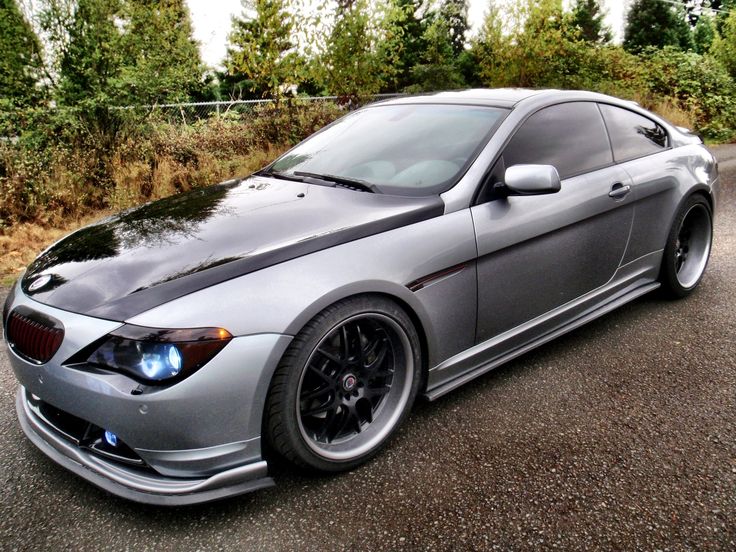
(166, 353)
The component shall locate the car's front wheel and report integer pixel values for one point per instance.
(345, 385)
(688, 248)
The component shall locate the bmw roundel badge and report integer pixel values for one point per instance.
(39, 282)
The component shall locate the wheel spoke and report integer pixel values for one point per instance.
(345, 342)
(327, 378)
(321, 409)
(329, 421)
(376, 391)
(356, 422)
(351, 341)
(330, 356)
(311, 395)
(338, 424)
(378, 349)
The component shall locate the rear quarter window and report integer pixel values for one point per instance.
(633, 135)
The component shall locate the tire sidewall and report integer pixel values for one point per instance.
(669, 279)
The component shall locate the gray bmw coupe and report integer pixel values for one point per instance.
(404, 250)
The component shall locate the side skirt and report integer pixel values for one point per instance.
(487, 366)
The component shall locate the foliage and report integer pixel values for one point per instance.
(704, 34)
(53, 182)
(20, 56)
(160, 60)
(437, 68)
(120, 52)
(89, 54)
(724, 45)
(410, 30)
(588, 16)
(653, 23)
(724, 7)
(454, 13)
(261, 48)
(698, 84)
(361, 52)
(534, 45)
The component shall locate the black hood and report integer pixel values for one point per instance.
(145, 257)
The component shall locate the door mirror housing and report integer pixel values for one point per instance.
(532, 180)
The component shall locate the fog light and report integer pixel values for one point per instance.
(111, 439)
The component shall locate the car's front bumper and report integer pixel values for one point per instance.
(199, 439)
(130, 482)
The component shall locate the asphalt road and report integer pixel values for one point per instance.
(621, 435)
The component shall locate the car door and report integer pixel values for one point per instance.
(638, 146)
(537, 253)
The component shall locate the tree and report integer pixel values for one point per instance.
(411, 30)
(724, 44)
(588, 17)
(437, 69)
(724, 7)
(359, 55)
(20, 56)
(261, 49)
(653, 23)
(703, 34)
(90, 55)
(455, 16)
(529, 44)
(160, 59)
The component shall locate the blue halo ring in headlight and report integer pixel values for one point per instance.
(160, 361)
(174, 360)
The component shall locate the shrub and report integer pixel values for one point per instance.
(55, 167)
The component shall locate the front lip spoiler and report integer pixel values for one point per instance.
(133, 484)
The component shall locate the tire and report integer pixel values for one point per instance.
(345, 384)
(688, 248)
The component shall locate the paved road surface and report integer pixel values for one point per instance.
(621, 435)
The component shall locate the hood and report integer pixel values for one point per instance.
(145, 257)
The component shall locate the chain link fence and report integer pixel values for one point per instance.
(191, 112)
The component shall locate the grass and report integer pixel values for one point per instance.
(20, 244)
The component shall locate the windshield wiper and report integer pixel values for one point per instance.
(343, 181)
(281, 175)
(331, 180)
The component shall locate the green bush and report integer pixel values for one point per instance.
(698, 84)
(55, 165)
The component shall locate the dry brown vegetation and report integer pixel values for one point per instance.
(44, 198)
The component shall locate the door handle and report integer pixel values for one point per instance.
(619, 191)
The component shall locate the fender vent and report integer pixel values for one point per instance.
(36, 338)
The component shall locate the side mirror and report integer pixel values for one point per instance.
(532, 179)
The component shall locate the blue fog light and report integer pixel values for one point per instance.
(111, 439)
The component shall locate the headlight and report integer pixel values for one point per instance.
(159, 355)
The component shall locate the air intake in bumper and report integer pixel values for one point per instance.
(34, 336)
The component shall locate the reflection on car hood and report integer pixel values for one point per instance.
(145, 257)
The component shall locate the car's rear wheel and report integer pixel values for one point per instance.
(688, 248)
(344, 386)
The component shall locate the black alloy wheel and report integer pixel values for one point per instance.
(345, 385)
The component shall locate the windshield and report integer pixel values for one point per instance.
(397, 149)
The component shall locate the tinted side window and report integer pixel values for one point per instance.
(631, 134)
(571, 137)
